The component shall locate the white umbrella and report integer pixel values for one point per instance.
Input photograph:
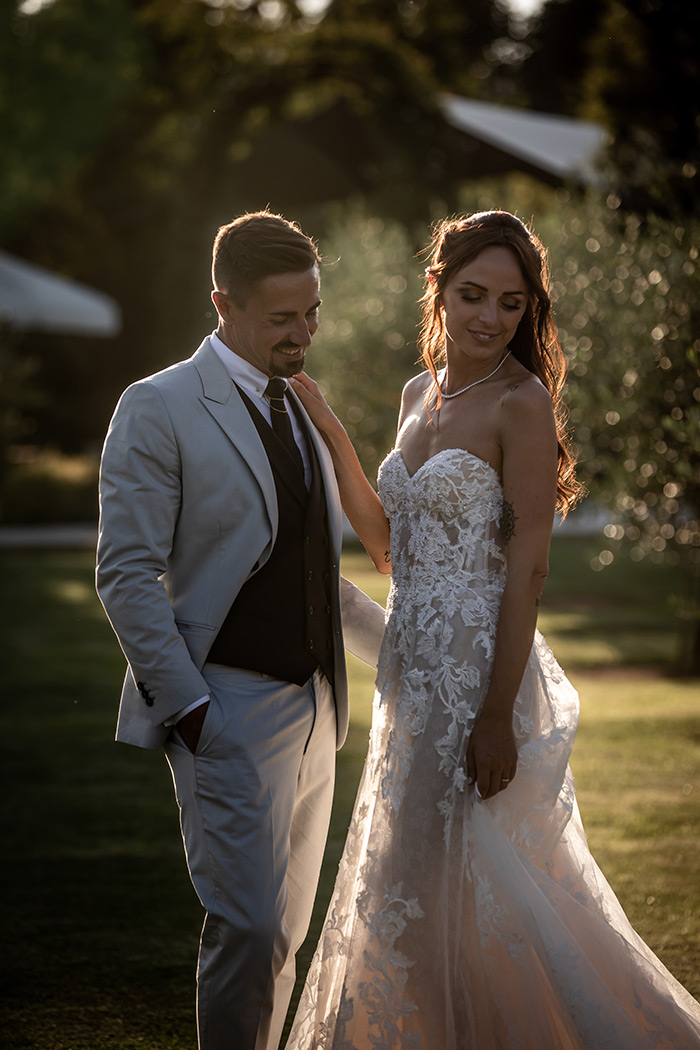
(34, 298)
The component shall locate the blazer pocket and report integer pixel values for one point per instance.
(188, 625)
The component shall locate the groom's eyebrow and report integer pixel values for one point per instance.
(293, 313)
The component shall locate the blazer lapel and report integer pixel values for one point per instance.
(335, 513)
(221, 398)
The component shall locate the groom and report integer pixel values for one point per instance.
(220, 533)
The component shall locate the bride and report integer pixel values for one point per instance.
(468, 913)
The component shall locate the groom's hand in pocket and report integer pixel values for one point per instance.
(191, 725)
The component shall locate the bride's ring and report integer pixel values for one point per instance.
(505, 780)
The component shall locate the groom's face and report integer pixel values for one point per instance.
(275, 327)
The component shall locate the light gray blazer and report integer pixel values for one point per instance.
(188, 511)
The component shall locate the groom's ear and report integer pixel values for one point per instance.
(224, 306)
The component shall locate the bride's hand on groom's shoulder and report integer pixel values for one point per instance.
(309, 393)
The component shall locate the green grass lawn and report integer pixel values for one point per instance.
(100, 923)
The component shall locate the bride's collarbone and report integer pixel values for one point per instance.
(424, 435)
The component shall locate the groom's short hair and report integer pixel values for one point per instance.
(258, 245)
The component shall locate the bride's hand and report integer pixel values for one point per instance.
(492, 757)
(309, 393)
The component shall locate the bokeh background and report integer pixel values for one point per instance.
(131, 129)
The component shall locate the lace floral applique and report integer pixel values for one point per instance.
(384, 996)
(331, 1032)
(448, 575)
(660, 1033)
(492, 916)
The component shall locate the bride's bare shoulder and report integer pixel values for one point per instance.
(416, 389)
(525, 392)
(525, 408)
(413, 395)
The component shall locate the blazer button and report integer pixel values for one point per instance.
(311, 610)
(310, 574)
(310, 643)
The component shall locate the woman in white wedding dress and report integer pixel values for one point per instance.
(468, 913)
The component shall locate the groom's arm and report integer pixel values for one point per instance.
(363, 623)
(140, 499)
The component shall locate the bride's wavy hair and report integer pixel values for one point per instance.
(457, 242)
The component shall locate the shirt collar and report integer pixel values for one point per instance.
(240, 370)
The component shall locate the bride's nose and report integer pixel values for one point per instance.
(488, 310)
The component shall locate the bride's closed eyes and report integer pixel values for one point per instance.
(477, 298)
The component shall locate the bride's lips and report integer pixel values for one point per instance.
(483, 337)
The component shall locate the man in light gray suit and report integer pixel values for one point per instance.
(220, 533)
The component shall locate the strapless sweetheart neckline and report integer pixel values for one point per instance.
(445, 452)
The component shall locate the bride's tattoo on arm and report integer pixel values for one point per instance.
(387, 557)
(508, 520)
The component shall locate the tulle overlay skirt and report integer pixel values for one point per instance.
(463, 924)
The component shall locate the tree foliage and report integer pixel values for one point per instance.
(632, 65)
(453, 37)
(626, 300)
(643, 80)
(66, 75)
(133, 128)
(231, 108)
(365, 349)
(626, 304)
(556, 46)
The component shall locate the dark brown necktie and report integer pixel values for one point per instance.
(281, 423)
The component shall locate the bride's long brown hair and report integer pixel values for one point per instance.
(457, 242)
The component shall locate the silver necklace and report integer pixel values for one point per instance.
(464, 389)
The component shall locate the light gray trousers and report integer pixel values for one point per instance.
(255, 802)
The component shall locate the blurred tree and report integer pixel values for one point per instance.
(65, 75)
(555, 53)
(18, 396)
(643, 81)
(238, 106)
(632, 65)
(365, 350)
(453, 37)
(626, 302)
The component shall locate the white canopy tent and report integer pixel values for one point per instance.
(559, 147)
(33, 298)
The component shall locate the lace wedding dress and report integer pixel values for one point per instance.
(458, 923)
